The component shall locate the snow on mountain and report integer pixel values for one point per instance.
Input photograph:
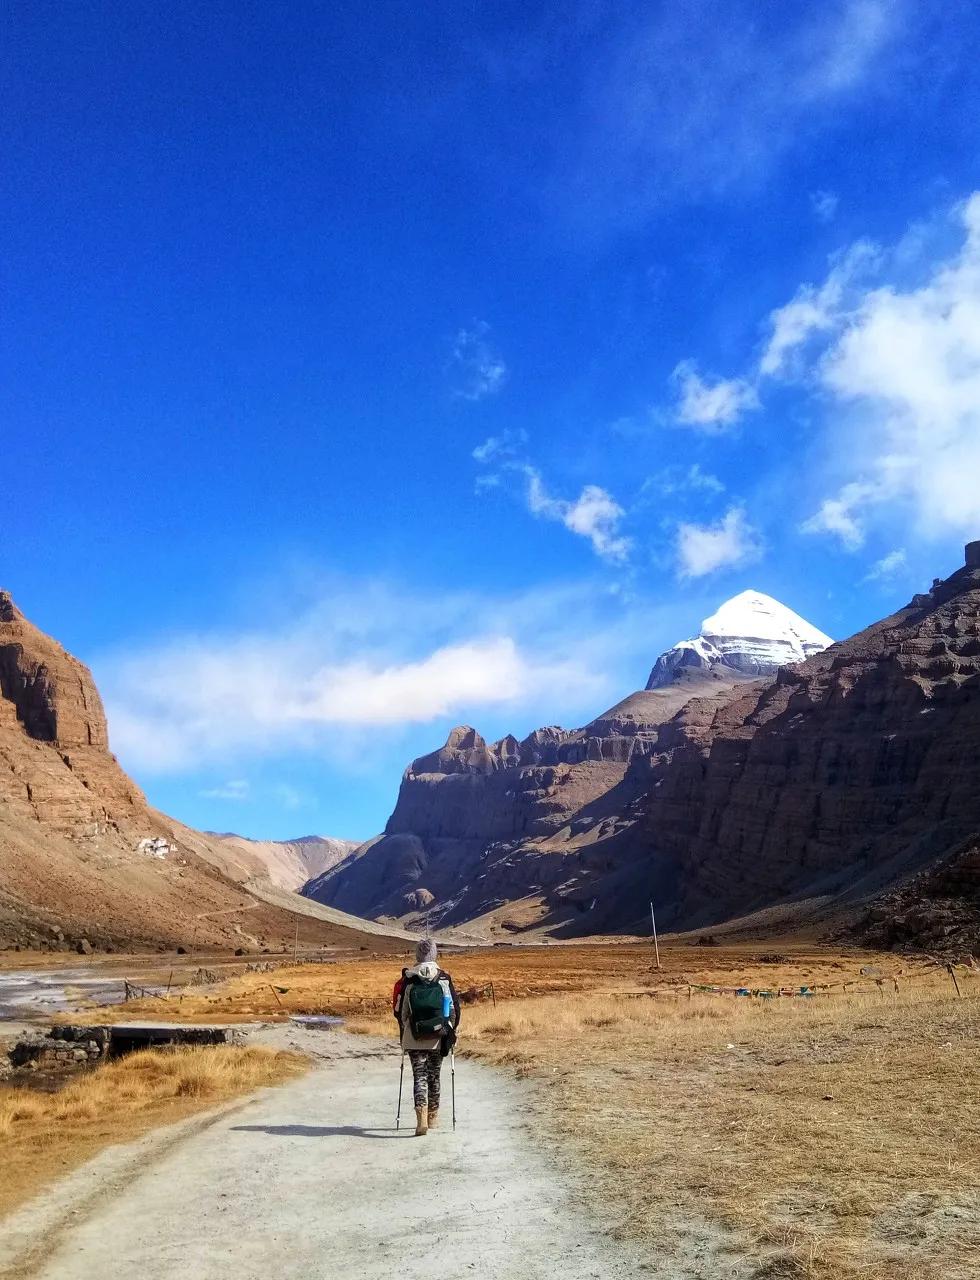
(751, 633)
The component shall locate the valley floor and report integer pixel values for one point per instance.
(312, 1179)
(620, 1118)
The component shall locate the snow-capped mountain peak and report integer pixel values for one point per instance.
(752, 633)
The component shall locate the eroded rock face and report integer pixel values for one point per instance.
(853, 768)
(470, 813)
(85, 863)
(832, 779)
(52, 699)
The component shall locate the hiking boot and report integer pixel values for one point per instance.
(433, 1117)
(421, 1121)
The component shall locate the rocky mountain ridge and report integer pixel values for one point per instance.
(465, 811)
(287, 863)
(826, 782)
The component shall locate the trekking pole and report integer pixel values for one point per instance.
(452, 1076)
(401, 1077)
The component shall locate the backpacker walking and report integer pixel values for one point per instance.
(426, 1007)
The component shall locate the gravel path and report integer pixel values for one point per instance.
(312, 1182)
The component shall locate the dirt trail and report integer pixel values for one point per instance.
(311, 1181)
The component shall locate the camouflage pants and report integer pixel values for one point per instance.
(426, 1065)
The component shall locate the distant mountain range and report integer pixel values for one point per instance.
(763, 769)
(290, 864)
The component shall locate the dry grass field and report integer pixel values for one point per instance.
(832, 1137)
(362, 986)
(835, 1138)
(44, 1135)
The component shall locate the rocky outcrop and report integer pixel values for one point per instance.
(468, 813)
(55, 764)
(937, 910)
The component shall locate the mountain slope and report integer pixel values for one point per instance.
(847, 771)
(82, 855)
(471, 815)
(820, 785)
(288, 863)
(751, 633)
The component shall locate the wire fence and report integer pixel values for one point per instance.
(865, 984)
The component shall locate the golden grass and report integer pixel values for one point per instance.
(43, 1135)
(836, 1138)
(833, 1138)
(359, 987)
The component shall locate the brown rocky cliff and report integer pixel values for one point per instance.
(58, 768)
(476, 824)
(82, 855)
(855, 766)
(835, 779)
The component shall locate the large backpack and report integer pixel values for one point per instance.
(425, 1008)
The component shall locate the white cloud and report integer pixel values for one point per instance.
(594, 515)
(888, 566)
(905, 367)
(507, 445)
(711, 406)
(894, 369)
(678, 480)
(824, 204)
(362, 665)
(476, 368)
(236, 789)
(731, 542)
(815, 309)
(838, 516)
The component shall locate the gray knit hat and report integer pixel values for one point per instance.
(426, 952)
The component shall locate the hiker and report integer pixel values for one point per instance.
(426, 1007)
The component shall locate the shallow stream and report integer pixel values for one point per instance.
(30, 993)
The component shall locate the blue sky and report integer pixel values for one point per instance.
(372, 368)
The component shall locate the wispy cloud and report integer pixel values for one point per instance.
(236, 789)
(824, 205)
(475, 367)
(895, 562)
(838, 515)
(712, 407)
(675, 480)
(507, 445)
(594, 514)
(659, 124)
(727, 544)
(290, 797)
